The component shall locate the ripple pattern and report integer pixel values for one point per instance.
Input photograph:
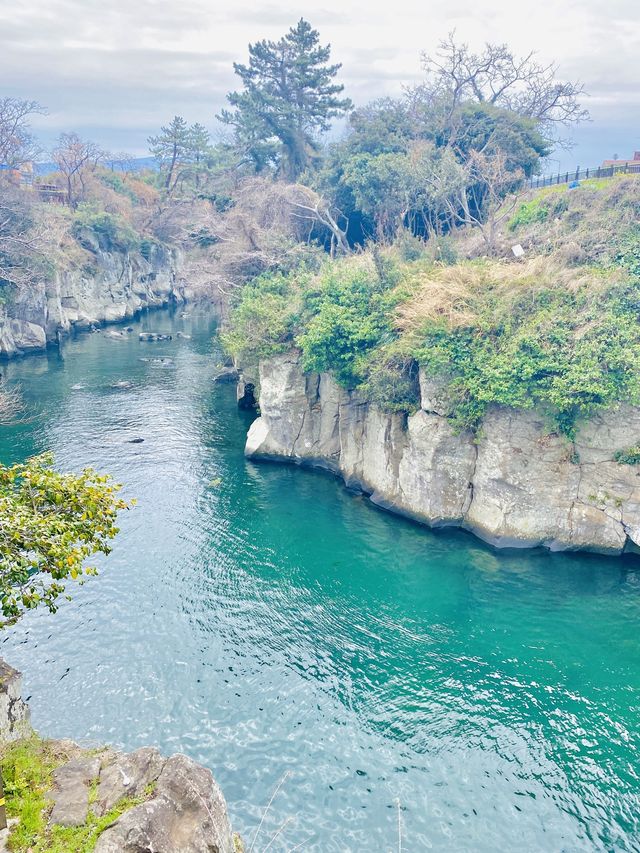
(270, 624)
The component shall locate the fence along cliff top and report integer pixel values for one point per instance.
(608, 169)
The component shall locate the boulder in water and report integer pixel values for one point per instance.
(153, 336)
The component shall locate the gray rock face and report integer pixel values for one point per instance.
(14, 712)
(127, 776)
(113, 288)
(70, 792)
(520, 484)
(187, 814)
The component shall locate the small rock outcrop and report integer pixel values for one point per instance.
(187, 814)
(168, 805)
(518, 483)
(127, 776)
(14, 712)
(182, 808)
(70, 792)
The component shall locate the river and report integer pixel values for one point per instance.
(284, 631)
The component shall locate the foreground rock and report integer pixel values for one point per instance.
(14, 712)
(70, 792)
(127, 776)
(167, 805)
(518, 484)
(187, 814)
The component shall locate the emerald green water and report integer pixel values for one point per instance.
(264, 620)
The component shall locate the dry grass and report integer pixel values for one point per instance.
(454, 295)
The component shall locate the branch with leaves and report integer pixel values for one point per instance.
(50, 523)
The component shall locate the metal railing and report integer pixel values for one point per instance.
(578, 174)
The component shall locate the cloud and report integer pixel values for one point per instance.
(108, 68)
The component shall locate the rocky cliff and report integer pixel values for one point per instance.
(135, 802)
(110, 288)
(518, 483)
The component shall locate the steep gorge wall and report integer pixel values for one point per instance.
(517, 484)
(112, 288)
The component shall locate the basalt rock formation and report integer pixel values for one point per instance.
(111, 289)
(517, 483)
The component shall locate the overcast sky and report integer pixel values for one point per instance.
(115, 70)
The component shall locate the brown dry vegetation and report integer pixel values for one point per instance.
(455, 294)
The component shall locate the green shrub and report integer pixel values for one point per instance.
(630, 456)
(263, 321)
(528, 213)
(626, 251)
(409, 247)
(571, 352)
(392, 382)
(347, 314)
(109, 230)
(444, 251)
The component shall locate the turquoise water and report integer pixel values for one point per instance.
(270, 624)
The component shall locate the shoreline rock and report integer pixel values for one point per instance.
(172, 805)
(115, 289)
(15, 717)
(516, 485)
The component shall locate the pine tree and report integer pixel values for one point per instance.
(170, 148)
(183, 154)
(288, 98)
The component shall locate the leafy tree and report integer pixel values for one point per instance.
(347, 315)
(170, 149)
(383, 187)
(400, 165)
(489, 129)
(49, 524)
(384, 126)
(184, 154)
(288, 97)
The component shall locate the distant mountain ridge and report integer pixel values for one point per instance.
(134, 164)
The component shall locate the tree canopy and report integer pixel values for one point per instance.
(184, 154)
(288, 97)
(49, 524)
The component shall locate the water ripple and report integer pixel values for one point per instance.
(264, 620)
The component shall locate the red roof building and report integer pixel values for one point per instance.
(635, 161)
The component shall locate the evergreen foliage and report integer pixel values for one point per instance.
(289, 96)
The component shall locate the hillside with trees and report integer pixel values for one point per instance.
(384, 248)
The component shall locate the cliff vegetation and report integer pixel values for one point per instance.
(557, 329)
